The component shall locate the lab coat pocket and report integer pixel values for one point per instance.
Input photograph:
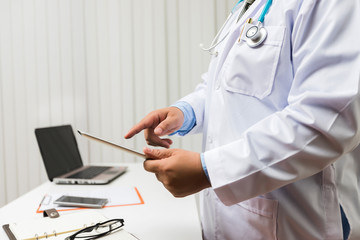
(251, 71)
(258, 218)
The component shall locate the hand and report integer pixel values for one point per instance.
(179, 171)
(159, 123)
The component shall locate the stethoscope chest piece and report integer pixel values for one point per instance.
(255, 35)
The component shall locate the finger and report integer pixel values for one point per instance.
(145, 123)
(169, 125)
(135, 130)
(157, 153)
(154, 140)
(165, 143)
(152, 166)
(173, 120)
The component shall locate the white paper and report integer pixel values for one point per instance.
(63, 226)
(30, 228)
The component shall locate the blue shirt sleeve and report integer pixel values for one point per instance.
(204, 165)
(189, 118)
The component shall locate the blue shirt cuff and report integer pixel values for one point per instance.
(189, 118)
(204, 165)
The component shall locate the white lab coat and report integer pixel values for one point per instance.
(281, 125)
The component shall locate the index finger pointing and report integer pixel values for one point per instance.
(133, 131)
(143, 124)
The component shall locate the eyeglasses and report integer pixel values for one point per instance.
(98, 230)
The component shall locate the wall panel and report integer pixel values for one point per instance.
(137, 64)
(79, 72)
(3, 190)
(20, 115)
(100, 65)
(130, 63)
(31, 86)
(115, 73)
(8, 106)
(92, 74)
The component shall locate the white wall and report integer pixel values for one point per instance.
(99, 65)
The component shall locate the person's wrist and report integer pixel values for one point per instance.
(178, 112)
(205, 181)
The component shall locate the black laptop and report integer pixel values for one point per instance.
(62, 160)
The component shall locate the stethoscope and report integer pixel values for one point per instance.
(255, 34)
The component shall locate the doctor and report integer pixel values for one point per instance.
(280, 117)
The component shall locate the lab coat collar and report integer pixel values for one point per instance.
(234, 27)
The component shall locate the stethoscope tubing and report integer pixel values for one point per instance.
(216, 40)
(265, 10)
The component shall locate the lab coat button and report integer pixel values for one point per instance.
(210, 139)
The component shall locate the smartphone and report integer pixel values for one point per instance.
(73, 201)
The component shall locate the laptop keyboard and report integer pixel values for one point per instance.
(89, 172)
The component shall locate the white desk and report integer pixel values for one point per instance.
(162, 217)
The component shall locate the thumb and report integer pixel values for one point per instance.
(156, 153)
(169, 125)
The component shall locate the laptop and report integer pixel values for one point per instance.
(62, 160)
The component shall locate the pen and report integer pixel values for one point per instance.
(42, 200)
(112, 144)
(249, 20)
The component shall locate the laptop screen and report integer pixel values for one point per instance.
(58, 149)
